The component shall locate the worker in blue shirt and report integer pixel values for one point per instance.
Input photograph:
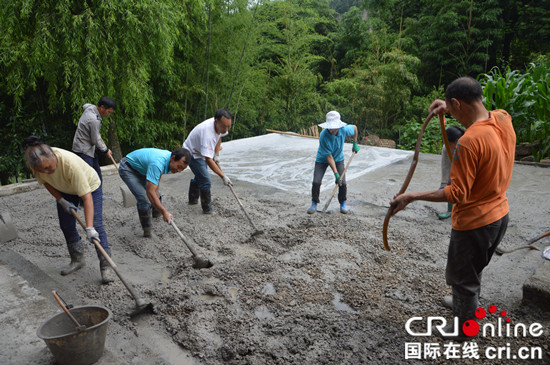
(141, 170)
(331, 153)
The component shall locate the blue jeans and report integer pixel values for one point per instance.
(136, 182)
(93, 162)
(200, 169)
(68, 223)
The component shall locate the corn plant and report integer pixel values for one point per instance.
(526, 96)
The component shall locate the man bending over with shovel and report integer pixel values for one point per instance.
(481, 172)
(331, 153)
(141, 171)
(71, 180)
(204, 143)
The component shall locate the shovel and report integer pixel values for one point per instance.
(256, 230)
(200, 262)
(78, 326)
(141, 305)
(336, 187)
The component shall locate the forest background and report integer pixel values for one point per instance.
(275, 64)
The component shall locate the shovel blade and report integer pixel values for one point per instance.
(202, 263)
(141, 308)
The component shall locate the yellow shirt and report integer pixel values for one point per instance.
(72, 176)
(481, 172)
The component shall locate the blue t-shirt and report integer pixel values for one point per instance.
(333, 145)
(150, 162)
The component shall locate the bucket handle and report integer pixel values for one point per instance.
(79, 327)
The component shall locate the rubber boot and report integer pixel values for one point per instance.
(343, 208)
(206, 201)
(446, 214)
(107, 273)
(194, 193)
(447, 301)
(313, 208)
(464, 307)
(76, 251)
(146, 220)
(156, 212)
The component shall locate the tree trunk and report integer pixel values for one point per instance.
(113, 140)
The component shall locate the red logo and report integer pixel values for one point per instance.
(471, 327)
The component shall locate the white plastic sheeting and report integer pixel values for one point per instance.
(286, 162)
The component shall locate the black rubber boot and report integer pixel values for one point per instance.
(76, 251)
(464, 307)
(156, 212)
(206, 201)
(194, 193)
(146, 220)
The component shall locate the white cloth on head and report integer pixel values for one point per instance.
(333, 121)
(202, 140)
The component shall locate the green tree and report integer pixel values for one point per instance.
(59, 55)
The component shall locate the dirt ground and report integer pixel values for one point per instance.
(313, 289)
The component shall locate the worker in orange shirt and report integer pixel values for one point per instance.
(480, 175)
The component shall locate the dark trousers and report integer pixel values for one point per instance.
(469, 252)
(68, 223)
(93, 162)
(319, 173)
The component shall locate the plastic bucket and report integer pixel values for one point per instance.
(71, 347)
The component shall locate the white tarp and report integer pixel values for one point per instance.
(286, 162)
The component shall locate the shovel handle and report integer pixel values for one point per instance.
(242, 207)
(96, 243)
(114, 162)
(539, 237)
(183, 238)
(139, 302)
(336, 187)
(78, 325)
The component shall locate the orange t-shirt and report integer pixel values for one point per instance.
(481, 172)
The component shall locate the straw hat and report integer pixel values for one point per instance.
(333, 121)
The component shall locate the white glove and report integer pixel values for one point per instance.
(226, 180)
(67, 206)
(92, 233)
(216, 158)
